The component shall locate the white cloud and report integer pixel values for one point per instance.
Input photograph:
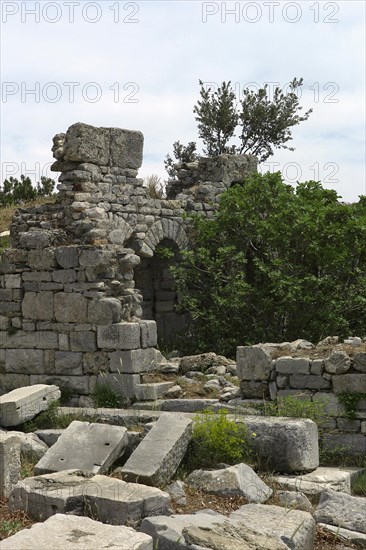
(165, 54)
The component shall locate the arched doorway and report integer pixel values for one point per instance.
(156, 283)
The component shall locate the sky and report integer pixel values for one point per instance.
(137, 65)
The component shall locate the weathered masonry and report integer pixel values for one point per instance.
(83, 292)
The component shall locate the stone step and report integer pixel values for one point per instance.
(86, 446)
(104, 498)
(61, 532)
(159, 454)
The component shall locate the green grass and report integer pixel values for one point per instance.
(53, 419)
(359, 485)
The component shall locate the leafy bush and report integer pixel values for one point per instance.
(216, 439)
(17, 192)
(274, 265)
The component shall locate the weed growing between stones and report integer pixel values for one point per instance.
(52, 418)
(350, 401)
(105, 397)
(359, 485)
(217, 439)
(294, 407)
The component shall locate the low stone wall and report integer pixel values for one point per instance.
(273, 371)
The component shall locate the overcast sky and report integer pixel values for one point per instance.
(136, 65)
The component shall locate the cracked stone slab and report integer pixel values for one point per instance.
(342, 510)
(85, 446)
(313, 483)
(294, 527)
(23, 404)
(159, 454)
(105, 498)
(61, 532)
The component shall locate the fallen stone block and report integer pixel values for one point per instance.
(22, 404)
(86, 446)
(285, 445)
(159, 454)
(31, 447)
(354, 537)
(313, 483)
(293, 499)
(9, 463)
(342, 510)
(49, 436)
(227, 536)
(62, 532)
(105, 498)
(294, 527)
(236, 480)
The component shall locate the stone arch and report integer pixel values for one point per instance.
(121, 233)
(160, 230)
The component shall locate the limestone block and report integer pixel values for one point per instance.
(285, 444)
(69, 532)
(253, 363)
(105, 498)
(13, 281)
(359, 361)
(64, 276)
(38, 306)
(83, 341)
(342, 510)
(292, 365)
(353, 537)
(68, 362)
(49, 436)
(324, 477)
(85, 143)
(227, 536)
(23, 404)
(9, 463)
(331, 403)
(294, 527)
(119, 336)
(309, 381)
(232, 481)
(254, 389)
(349, 383)
(42, 339)
(134, 361)
(31, 447)
(149, 334)
(159, 454)
(122, 384)
(24, 361)
(346, 443)
(70, 307)
(9, 382)
(67, 256)
(337, 363)
(153, 391)
(42, 259)
(126, 148)
(94, 448)
(75, 384)
(37, 239)
(105, 311)
(294, 499)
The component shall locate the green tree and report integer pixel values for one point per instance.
(263, 124)
(16, 191)
(275, 264)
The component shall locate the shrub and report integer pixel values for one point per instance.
(104, 396)
(217, 439)
(295, 407)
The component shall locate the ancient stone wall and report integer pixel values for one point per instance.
(274, 371)
(71, 312)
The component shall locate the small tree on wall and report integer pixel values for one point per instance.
(262, 124)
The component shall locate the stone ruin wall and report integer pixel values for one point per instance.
(71, 312)
(273, 371)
